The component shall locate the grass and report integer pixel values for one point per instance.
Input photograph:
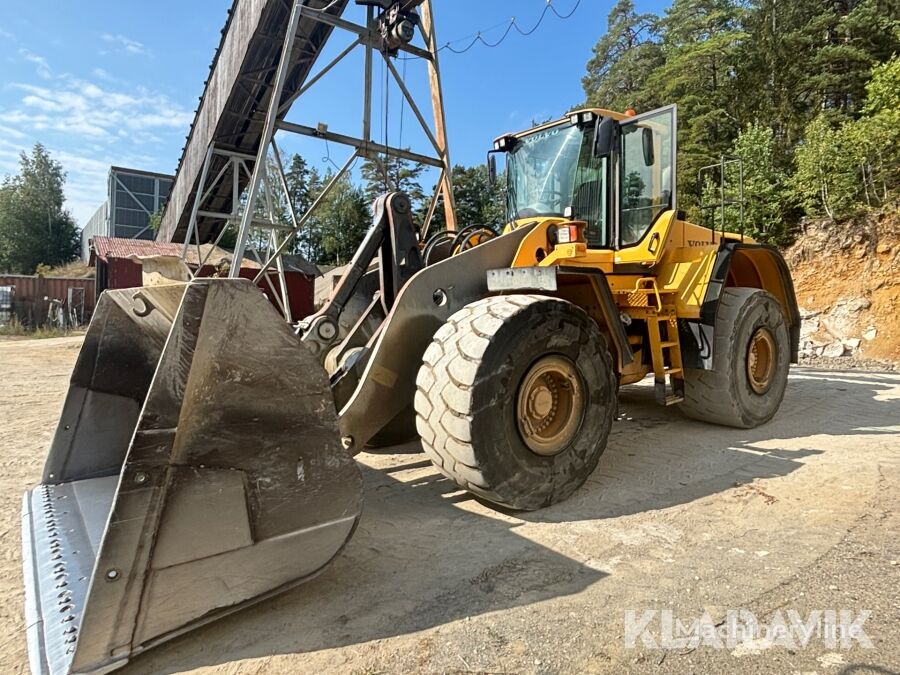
(16, 328)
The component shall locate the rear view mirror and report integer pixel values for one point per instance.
(647, 141)
(492, 168)
(605, 137)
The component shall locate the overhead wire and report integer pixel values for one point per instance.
(512, 24)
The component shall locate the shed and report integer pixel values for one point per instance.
(117, 265)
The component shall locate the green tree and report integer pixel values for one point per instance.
(477, 201)
(881, 128)
(339, 224)
(390, 174)
(701, 43)
(34, 226)
(623, 59)
(825, 179)
(767, 204)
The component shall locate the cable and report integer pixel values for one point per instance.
(513, 23)
(387, 113)
(402, 106)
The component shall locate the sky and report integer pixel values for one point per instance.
(103, 83)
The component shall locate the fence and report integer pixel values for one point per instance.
(32, 298)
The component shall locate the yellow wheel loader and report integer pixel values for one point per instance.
(204, 457)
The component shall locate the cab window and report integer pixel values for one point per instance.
(645, 173)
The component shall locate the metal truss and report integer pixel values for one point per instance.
(373, 39)
(274, 232)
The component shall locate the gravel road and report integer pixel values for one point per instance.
(680, 519)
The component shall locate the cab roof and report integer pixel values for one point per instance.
(601, 112)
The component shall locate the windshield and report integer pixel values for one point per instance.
(553, 169)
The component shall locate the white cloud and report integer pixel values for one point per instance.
(9, 132)
(101, 74)
(43, 68)
(124, 44)
(82, 107)
(89, 125)
(6, 35)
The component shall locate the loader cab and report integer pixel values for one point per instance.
(613, 171)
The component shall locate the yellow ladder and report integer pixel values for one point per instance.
(665, 347)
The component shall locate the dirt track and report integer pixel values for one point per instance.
(800, 514)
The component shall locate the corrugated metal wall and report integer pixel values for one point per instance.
(32, 295)
(97, 226)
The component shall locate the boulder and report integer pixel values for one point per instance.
(834, 350)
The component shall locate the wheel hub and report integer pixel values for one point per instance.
(761, 359)
(550, 405)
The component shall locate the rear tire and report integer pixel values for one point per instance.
(503, 360)
(751, 358)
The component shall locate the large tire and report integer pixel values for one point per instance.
(728, 394)
(467, 399)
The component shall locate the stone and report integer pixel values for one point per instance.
(884, 248)
(808, 313)
(843, 316)
(808, 326)
(870, 333)
(834, 350)
(852, 344)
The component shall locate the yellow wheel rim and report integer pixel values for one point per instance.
(550, 405)
(761, 360)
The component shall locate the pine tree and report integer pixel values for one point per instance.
(391, 174)
(623, 60)
(701, 43)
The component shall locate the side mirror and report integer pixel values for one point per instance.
(647, 141)
(492, 168)
(605, 137)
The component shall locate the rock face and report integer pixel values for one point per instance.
(847, 279)
(845, 314)
(834, 334)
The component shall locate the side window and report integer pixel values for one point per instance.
(645, 173)
(589, 201)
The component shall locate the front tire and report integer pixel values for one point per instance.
(515, 399)
(751, 359)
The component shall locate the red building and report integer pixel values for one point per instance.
(117, 265)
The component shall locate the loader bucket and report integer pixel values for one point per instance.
(196, 468)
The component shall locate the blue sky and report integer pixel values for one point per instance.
(103, 83)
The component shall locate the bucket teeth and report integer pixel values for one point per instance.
(196, 468)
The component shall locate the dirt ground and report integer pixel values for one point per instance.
(801, 514)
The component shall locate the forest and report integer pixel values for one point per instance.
(805, 92)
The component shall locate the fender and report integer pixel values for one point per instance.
(740, 264)
(546, 279)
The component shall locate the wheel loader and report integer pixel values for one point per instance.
(204, 459)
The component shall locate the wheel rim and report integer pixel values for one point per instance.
(550, 405)
(761, 357)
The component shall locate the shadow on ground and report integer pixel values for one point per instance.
(426, 555)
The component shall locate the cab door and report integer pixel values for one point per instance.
(645, 177)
